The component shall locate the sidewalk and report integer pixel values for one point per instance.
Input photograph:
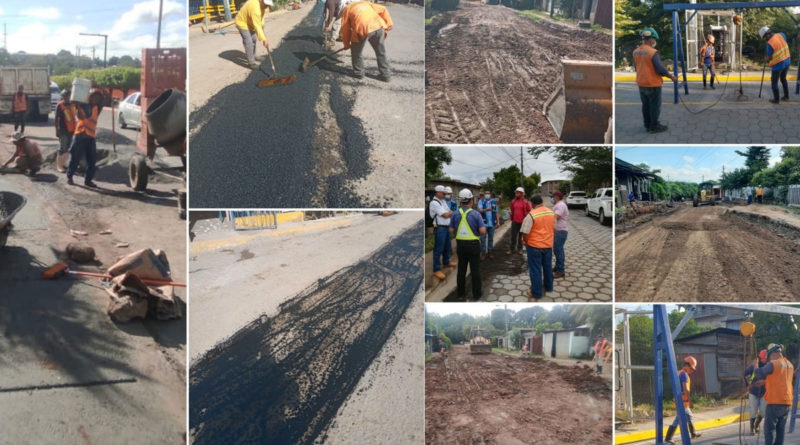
(703, 420)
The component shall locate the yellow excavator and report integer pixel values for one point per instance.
(478, 343)
(707, 194)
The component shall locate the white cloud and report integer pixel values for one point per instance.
(688, 159)
(688, 173)
(145, 14)
(39, 38)
(42, 13)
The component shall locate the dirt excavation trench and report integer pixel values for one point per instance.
(708, 254)
(503, 400)
(489, 71)
(282, 379)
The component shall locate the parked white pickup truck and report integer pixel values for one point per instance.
(601, 204)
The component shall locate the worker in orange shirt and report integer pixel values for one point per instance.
(538, 230)
(689, 367)
(776, 376)
(84, 144)
(600, 350)
(250, 23)
(649, 71)
(779, 59)
(363, 21)
(66, 115)
(20, 108)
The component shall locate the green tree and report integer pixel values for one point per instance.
(757, 158)
(435, 159)
(506, 180)
(590, 166)
(498, 318)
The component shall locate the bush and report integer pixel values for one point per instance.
(125, 78)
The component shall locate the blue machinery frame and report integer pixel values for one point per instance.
(662, 346)
(677, 46)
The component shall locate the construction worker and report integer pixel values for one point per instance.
(364, 21)
(707, 54)
(649, 71)
(779, 60)
(27, 154)
(488, 210)
(65, 127)
(20, 108)
(449, 200)
(250, 23)
(442, 245)
(332, 20)
(520, 207)
(467, 226)
(776, 377)
(689, 366)
(537, 234)
(600, 349)
(759, 195)
(560, 238)
(755, 394)
(84, 143)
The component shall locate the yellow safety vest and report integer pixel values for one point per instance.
(464, 231)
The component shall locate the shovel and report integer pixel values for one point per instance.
(61, 269)
(308, 63)
(274, 79)
(763, 70)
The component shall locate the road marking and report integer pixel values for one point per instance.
(639, 104)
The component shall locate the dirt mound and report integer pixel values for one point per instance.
(695, 226)
(498, 399)
(489, 71)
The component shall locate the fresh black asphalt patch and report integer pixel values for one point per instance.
(281, 380)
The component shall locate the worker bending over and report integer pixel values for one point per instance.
(689, 366)
(779, 60)
(27, 154)
(363, 21)
(250, 23)
(776, 377)
(649, 71)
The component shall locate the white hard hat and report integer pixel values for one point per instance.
(448, 190)
(267, 2)
(465, 195)
(763, 31)
(520, 189)
(439, 188)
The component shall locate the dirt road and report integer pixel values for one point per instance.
(283, 379)
(707, 254)
(498, 399)
(490, 70)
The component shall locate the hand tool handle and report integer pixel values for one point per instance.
(271, 63)
(144, 280)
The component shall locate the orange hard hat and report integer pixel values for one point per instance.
(763, 355)
(691, 361)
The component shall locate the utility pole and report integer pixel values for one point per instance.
(105, 45)
(505, 312)
(521, 169)
(160, 10)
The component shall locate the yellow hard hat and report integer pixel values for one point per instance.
(747, 329)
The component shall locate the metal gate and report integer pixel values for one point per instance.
(253, 219)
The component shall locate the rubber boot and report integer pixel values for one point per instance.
(670, 433)
(712, 83)
(786, 92)
(691, 430)
(758, 424)
(61, 162)
(752, 427)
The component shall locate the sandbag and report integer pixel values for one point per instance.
(144, 263)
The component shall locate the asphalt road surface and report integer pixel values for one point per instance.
(326, 140)
(707, 254)
(282, 379)
(490, 70)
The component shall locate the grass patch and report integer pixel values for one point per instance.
(428, 21)
(428, 357)
(429, 240)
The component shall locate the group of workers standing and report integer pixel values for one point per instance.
(769, 391)
(353, 22)
(76, 130)
(650, 71)
(541, 230)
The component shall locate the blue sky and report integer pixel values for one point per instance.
(48, 26)
(690, 163)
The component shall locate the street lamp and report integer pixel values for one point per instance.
(105, 45)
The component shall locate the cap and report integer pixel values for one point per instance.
(16, 137)
(520, 189)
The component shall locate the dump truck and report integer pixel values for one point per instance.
(478, 343)
(707, 194)
(37, 86)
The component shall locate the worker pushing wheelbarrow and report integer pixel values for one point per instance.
(10, 205)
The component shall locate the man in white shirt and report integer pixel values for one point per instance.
(442, 245)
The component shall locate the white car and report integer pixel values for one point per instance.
(55, 95)
(601, 204)
(130, 111)
(576, 199)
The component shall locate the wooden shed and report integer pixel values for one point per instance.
(720, 361)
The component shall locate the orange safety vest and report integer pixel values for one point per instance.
(779, 383)
(20, 102)
(542, 229)
(361, 18)
(703, 53)
(780, 49)
(69, 115)
(88, 125)
(685, 396)
(646, 75)
(600, 347)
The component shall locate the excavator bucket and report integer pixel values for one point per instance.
(480, 349)
(580, 108)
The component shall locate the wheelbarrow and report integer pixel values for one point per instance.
(10, 204)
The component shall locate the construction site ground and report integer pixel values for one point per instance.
(726, 119)
(327, 140)
(710, 254)
(489, 71)
(353, 364)
(496, 399)
(57, 332)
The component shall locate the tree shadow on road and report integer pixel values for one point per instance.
(54, 334)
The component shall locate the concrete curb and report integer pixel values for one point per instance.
(626, 77)
(197, 247)
(701, 425)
